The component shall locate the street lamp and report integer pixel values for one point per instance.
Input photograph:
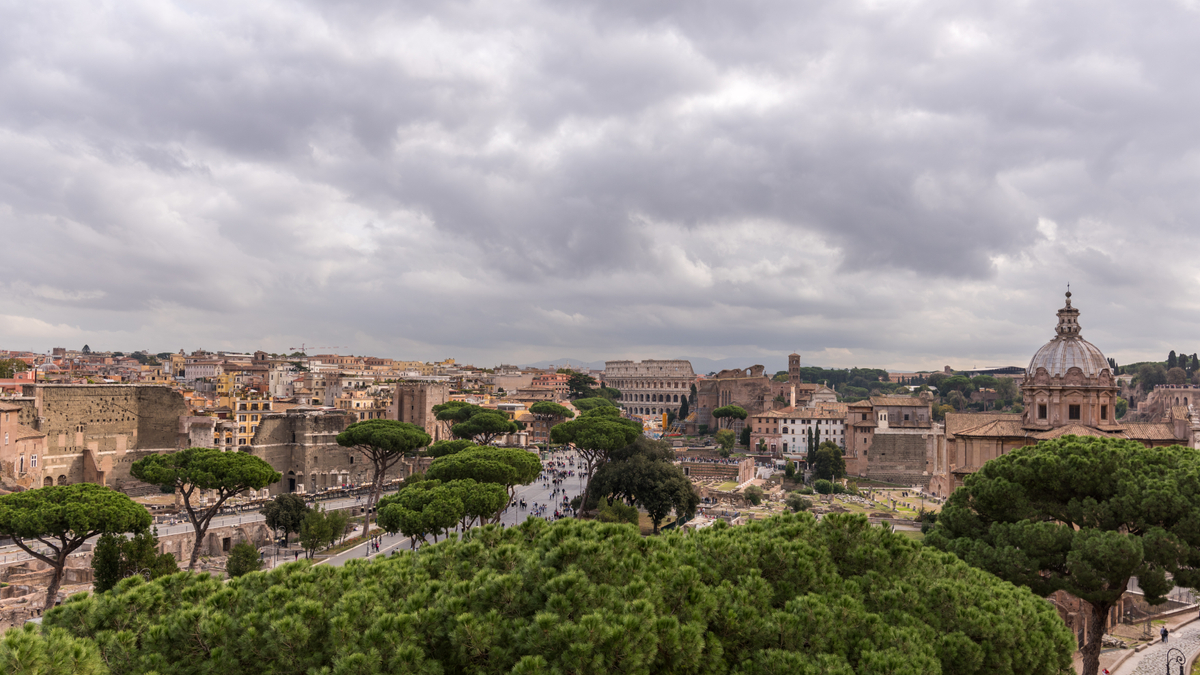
(1175, 656)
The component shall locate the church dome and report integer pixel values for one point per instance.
(1068, 350)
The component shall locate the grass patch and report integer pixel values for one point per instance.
(912, 534)
(727, 486)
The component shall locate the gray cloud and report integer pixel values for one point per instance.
(873, 183)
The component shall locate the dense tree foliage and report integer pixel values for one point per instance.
(50, 523)
(448, 447)
(116, 557)
(508, 467)
(726, 414)
(1081, 515)
(754, 494)
(579, 385)
(585, 405)
(787, 595)
(726, 439)
(384, 443)
(285, 513)
(433, 507)
(243, 559)
(829, 462)
(485, 427)
(594, 435)
(194, 470)
(30, 651)
(644, 473)
(797, 502)
(10, 367)
(684, 410)
(551, 409)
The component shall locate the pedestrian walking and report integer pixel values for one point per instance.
(1164, 632)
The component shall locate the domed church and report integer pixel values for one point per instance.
(1069, 389)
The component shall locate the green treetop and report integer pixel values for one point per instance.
(551, 409)
(726, 414)
(1082, 515)
(384, 443)
(286, 512)
(785, 595)
(596, 434)
(508, 467)
(50, 523)
(204, 469)
(829, 462)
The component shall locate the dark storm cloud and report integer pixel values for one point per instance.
(899, 183)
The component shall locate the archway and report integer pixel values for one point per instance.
(48, 482)
(291, 481)
(62, 480)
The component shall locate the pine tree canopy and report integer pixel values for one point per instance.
(785, 595)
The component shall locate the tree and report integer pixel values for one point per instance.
(1151, 375)
(10, 367)
(508, 467)
(984, 382)
(427, 508)
(61, 518)
(692, 395)
(823, 487)
(115, 558)
(745, 437)
(684, 411)
(1081, 515)
(1122, 407)
(579, 385)
(483, 427)
(1172, 360)
(753, 494)
(618, 512)
(448, 447)
(28, 651)
(384, 443)
(315, 532)
(595, 434)
(286, 512)
(195, 470)
(1006, 389)
(797, 502)
(243, 559)
(726, 414)
(956, 399)
(935, 381)
(789, 469)
(784, 595)
(551, 409)
(726, 439)
(644, 473)
(585, 405)
(830, 463)
(339, 524)
(1177, 376)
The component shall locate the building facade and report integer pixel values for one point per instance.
(1068, 389)
(650, 387)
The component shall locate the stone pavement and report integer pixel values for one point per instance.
(1185, 636)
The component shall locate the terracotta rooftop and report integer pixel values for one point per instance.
(957, 423)
(898, 400)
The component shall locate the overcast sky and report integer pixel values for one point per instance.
(896, 184)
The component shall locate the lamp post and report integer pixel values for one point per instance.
(1175, 656)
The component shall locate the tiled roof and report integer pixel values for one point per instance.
(21, 432)
(958, 422)
(898, 400)
(9, 407)
(996, 428)
(1150, 431)
(1072, 430)
(1179, 412)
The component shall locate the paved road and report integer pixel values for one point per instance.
(539, 492)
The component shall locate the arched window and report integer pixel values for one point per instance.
(675, 398)
(62, 480)
(48, 482)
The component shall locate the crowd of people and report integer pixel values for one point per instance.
(557, 470)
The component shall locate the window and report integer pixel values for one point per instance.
(1103, 412)
(351, 459)
(254, 418)
(1041, 411)
(241, 441)
(241, 418)
(906, 417)
(241, 430)
(33, 461)
(1073, 411)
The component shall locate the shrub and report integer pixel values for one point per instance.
(797, 502)
(806, 490)
(823, 486)
(243, 559)
(753, 494)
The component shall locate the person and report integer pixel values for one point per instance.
(1163, 633)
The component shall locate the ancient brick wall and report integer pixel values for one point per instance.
(900, 458)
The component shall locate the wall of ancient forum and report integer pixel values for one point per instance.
(94, 433)
(651, 386)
